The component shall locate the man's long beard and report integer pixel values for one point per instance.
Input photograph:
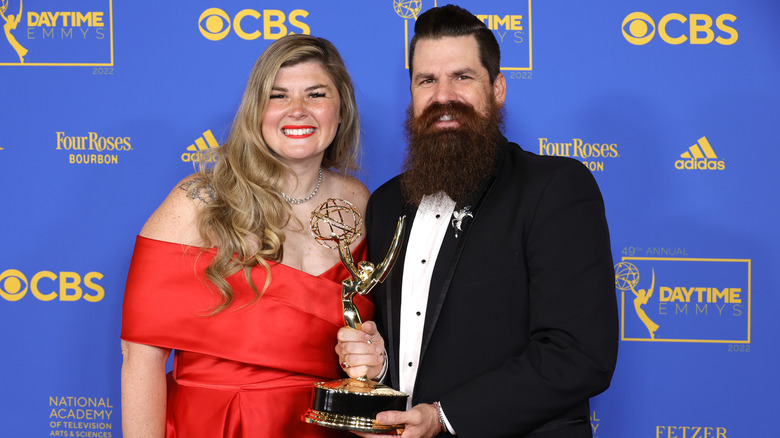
(456, 161)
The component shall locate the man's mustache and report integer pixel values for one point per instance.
(460, 111)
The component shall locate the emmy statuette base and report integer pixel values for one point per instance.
(352, 404)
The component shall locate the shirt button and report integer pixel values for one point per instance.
(418, 313)
(410, 364)
(438, 216)
(423, 261)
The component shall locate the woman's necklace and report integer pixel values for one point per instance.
(292, 200)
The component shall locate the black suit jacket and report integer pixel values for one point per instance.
(521, 327)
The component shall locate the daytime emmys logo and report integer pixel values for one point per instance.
(678, 299)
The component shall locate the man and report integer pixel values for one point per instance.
(499, 317)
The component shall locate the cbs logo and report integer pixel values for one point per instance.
(215, 24)
(638, 29)
(47, 286)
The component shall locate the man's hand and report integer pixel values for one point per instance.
(361, 352)
(422, 421)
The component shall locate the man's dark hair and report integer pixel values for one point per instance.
(454, 21)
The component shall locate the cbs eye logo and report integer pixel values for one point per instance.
(215, 24)
(639, 28)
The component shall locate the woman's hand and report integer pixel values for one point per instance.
(361, 351)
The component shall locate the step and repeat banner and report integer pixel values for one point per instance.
(673, 106)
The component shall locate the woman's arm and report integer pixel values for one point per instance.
(144, 390)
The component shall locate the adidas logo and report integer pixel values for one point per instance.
(700, 156)
(203, 143)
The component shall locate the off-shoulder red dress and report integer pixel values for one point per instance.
(247, 371)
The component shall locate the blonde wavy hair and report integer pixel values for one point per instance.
(245, 220)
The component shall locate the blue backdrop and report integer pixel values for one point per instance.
(673, 105)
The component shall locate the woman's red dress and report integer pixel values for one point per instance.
(248, 370)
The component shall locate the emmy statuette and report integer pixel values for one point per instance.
(352, 403)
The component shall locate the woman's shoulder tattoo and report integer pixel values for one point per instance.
(197, 190)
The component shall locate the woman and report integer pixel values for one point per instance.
(227, 274)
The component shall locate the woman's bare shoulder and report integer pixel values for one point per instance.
(175, 220)
(351, 189)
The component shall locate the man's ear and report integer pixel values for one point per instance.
(499, 89)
